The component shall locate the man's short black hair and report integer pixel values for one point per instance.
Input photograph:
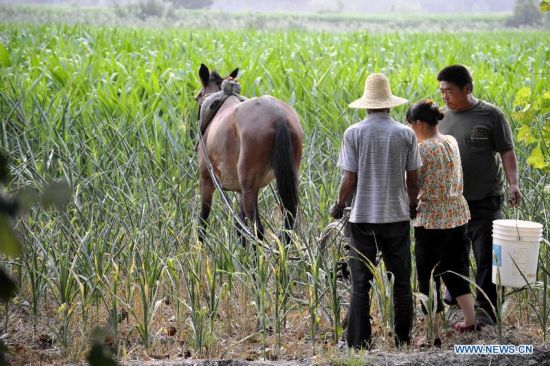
(456, 74)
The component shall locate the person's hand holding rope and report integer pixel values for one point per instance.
(336, 211)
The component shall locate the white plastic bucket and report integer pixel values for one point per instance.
(516, 246)
(527, 228)
(514, 234)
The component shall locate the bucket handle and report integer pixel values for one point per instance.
(517, 228)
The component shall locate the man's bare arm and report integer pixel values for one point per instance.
(509, 162)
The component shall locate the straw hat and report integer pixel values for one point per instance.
(377, 94)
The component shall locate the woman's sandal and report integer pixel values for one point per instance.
(461, 327)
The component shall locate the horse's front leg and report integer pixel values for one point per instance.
(207, 192)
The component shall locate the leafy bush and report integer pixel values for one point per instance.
(526, 12)
(192, 4)
(158, 8)
(532, 113)
(144, 9)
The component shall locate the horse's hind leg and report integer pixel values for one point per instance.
(207, 192)
(249, 202)
(241, 219)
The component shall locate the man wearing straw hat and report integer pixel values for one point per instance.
(379, 159)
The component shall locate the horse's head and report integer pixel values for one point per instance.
(211, 82)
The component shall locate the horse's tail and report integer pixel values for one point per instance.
(285, 172)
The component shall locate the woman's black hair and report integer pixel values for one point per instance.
(425, 111)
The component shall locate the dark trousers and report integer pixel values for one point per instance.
(480, 228)
(441, 252)
(393, 241)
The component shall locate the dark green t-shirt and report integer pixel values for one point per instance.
(482, 133)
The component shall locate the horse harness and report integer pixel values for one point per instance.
(214, 101)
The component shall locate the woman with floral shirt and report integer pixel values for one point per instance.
(441, 216)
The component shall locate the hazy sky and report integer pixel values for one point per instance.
(366, 6)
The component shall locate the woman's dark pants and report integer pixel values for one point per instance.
(443, 252)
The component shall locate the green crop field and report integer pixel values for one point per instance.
(111, 110)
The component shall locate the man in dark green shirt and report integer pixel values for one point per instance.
(485, 139)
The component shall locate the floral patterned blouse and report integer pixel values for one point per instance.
(441, 204)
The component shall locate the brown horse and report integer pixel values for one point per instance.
(249, 144)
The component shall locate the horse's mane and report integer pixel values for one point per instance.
(215, 78)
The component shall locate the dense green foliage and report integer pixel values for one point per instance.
(111, 110)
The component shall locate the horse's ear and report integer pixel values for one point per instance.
(204, 74)
(234, 73)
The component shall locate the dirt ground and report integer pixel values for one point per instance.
(540, 356)
(236, 348)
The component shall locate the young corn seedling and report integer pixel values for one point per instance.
(282, 289)
(198, 313)
(382, 284)
(36, 266)
(148, 275)
(115, 317)
(174, 270)
(314, 285)
(335, 300)
(64, 287)
(213, 293)
(430, 304)
(545, 269)
(331, 248)
(262, 294)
